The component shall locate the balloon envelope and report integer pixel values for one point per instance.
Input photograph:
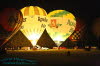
(10, 22)
(79, 30)
(61, 25)
(96, 27)
(34, 23)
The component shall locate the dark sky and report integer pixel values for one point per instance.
(87, 9)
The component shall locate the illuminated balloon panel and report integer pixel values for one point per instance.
(10, 22)
(60, 26)
(34, 23)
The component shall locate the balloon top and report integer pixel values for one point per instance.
(61, 13)
(33, 10)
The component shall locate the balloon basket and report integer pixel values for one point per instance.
(58, 48)
(34, 48)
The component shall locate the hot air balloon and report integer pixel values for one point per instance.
(79, 30)
(96, 27)
(60, 26)
(34, 22)
(10, 22)
(96, 30)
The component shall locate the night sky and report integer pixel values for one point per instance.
(80, 8)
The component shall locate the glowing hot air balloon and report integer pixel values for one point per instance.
(34, 23)
(10, 22)
(61, 25)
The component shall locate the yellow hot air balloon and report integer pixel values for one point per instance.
(34, 22)
(60, 26)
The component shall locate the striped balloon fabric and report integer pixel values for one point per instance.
(33, 10)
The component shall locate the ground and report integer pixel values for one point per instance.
(79, 57)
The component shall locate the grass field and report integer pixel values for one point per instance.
(51, 57)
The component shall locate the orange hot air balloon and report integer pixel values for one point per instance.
(10, 22)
